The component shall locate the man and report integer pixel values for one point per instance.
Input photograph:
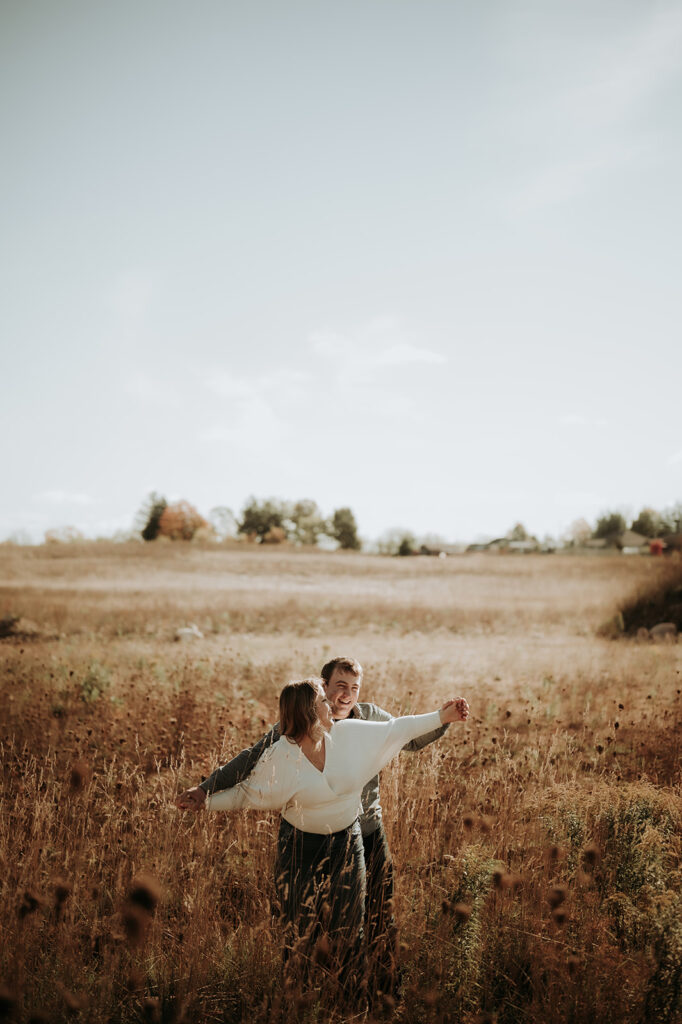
(342, 679)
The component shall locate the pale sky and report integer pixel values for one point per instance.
(418, 257)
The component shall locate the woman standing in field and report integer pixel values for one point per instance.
(314, 775)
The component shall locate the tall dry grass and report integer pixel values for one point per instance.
(538, 849)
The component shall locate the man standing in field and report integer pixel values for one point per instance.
(342, 678)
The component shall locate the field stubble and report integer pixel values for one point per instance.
(537, 849)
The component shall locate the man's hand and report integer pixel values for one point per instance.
(192, 799)
(454, 710)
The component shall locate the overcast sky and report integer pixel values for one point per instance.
(419, 257)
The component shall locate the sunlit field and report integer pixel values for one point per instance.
(538, 848)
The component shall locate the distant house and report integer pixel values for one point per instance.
(506, 545)
(498, 544)
(632, 543)
(597, 543)
(443, 550)
(523, 546)
(672, 542)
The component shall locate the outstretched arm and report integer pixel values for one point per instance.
(229, 775)
(377, 714)
(361, 749)
(269, 786)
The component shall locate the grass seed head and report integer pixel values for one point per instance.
(557, 895)
(29, 904)
(462, 911)
(62, 891)
(78, 776)
(591, 855)
(323, 950)
(145, 892)
(135, 922)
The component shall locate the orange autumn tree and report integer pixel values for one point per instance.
(180, 521)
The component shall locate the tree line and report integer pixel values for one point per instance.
(267, 521)
(274, 521)
(610, 526)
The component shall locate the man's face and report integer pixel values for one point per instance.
(343, 690)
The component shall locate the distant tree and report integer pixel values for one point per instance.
(149, 517)
(259, 517)
(63, 535)
(518, 532)
(180, 521)
(578, 533)
(275, 535)
(609, 527)
(671, 519)
(345, 529)
(648, 523)
(389, 542)
(223, 522)
(407, 545)
(20, 538)
(307, 522)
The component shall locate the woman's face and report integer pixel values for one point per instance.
(324, 710)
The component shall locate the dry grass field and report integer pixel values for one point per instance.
(538, 849)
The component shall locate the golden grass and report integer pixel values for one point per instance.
(538, 849)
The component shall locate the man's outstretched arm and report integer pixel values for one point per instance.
(228, 775)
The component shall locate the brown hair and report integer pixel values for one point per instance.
(345, 664)
(297, 712)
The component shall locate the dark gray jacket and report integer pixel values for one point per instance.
(242, 765)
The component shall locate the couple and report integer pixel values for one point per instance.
(334, 870)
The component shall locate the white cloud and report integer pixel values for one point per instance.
(562, 181)
(284, 382)
(601, 112)
(64, 498)
(631, 70)
(376, 345)
(256, 413)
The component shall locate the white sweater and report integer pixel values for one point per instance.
(328, 800)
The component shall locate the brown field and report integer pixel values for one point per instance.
(538, 849)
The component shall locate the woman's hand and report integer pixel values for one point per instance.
(454, 710)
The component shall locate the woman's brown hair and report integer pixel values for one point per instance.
(297, 712)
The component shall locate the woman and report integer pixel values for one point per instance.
(314, 775)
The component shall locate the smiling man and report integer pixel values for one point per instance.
(342, 678)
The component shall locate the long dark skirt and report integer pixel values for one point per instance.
(320, 882)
